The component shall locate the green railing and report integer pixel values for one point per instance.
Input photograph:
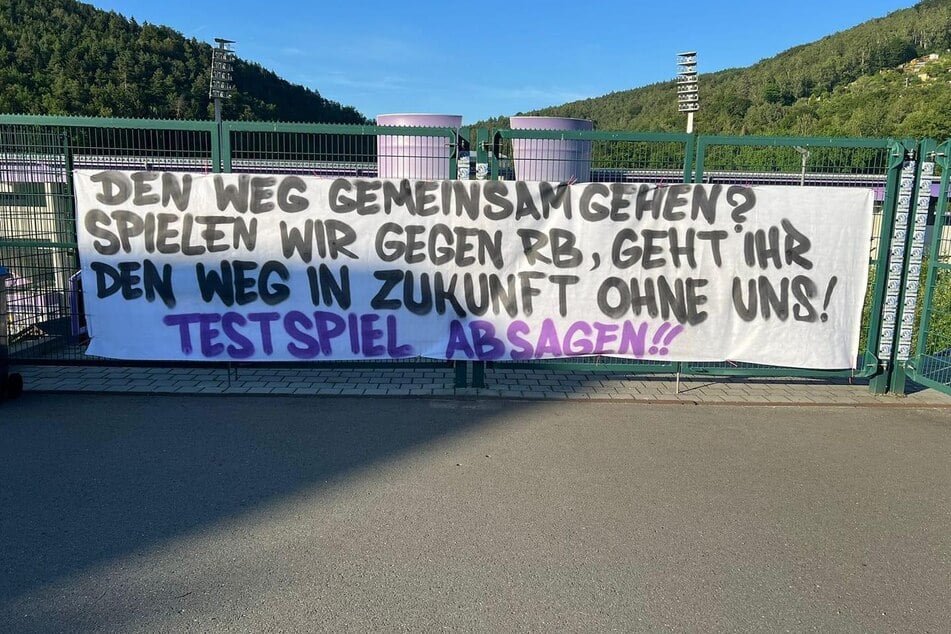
(633, 157)
(817, 162)
(37, 217)
(37, 236)
(930, 364)
(738, 160)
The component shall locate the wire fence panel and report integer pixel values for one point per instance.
(333, 151)
(931, 364)
(37, 216)
(808, 162)
(38, 241)
(592, 156)
(589, 156)
(127, 148)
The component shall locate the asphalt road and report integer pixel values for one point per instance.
(154, 514)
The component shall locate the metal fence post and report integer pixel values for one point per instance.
(483, 171)
(71, 200)
(914, 256)
(459, 161)
(897, 211)
(482, 154)
(926, 366)
(221, 148)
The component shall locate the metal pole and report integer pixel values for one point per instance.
(804, 154)
(220, 86)
(688, 94)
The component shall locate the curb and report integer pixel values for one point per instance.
(896, 403)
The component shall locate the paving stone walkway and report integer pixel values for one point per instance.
(534, 384)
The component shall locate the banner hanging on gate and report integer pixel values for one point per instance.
(240, 267)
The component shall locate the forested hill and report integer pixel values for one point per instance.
(65, 57)
(875, 79)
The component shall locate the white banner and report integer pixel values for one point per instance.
(275, 268)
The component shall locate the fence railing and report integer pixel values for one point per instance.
(930, 362)
(38, 240)
(815, 162)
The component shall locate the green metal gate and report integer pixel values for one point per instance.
(37, 234)
(37, 215)
(669, 158)
(927, 358)
(819, 162)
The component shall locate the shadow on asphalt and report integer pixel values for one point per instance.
(87, 479)
(151, 513)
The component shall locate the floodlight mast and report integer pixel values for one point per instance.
(688, 93)
(221, 85)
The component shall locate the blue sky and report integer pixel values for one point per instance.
(482, 59)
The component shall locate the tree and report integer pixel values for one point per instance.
(65, 57)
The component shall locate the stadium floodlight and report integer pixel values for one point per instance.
(221, 85)
(688, 93)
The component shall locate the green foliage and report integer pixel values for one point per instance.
(938, 339)
(847, 84)
(867, 312)
(64, 57)
(939, 323)
(892, 53)
(774, 93)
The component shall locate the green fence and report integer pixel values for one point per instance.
(37, 219)
(630, 157)
(37, 231)
(339, 150)
(662, 159)
(816, 162)
(37, 234)
(928, 282)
